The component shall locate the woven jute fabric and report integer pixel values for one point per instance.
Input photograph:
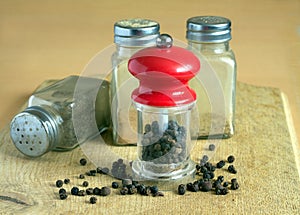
(266, 154)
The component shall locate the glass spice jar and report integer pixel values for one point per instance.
(131, 35)
(47, 123)
(164, 102)
(208, 37)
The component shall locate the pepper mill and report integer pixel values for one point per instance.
(164, 102)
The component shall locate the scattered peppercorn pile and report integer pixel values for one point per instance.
(208, 181)
(128, 187)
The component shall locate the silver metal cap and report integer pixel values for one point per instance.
(136, 32)
(33, 131)
(210, 29)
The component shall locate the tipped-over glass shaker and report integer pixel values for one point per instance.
(48, 121)
(164, 102)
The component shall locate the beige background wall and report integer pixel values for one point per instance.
(42, 40)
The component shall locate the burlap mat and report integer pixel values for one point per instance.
(264, 145)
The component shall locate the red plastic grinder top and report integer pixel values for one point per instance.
(164, 72)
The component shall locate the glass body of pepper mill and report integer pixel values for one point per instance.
(48, 121)
(164, 103)
(130, 36)
(209, 37)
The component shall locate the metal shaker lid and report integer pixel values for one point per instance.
(136, 32)
(33, 131)
(210, 29)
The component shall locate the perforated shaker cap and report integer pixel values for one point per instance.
(210, 29)
(33, 131)
(136, 32)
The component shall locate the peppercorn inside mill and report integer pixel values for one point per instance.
(164, 104)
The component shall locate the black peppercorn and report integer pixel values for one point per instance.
(67, 181)
(206, 186)
(181, 189)
(233, 180)
(202, 162)
(189, 186)
(154, 189)
(232, 169)
(200, 181)
(203, 169)
(192, 187)
(220, 178)
(230, 159)
(131, 190)
(89, 191)
(96, 191)
(124, 191)
(207, 175)
(114, 185)
(93, 200)
(119, 169)
(59, 183)
(148, 191)
(220, 190)
(216, 183)
(225, 184)
(220, 164)
(234, 184)
(224, 191)
(83, 161)
(81, 176)
(93, 171)
(211, 147)
(205, 158)
(63, 196)
(141, 189)
(212, 175)
(135, 183)
(81, 193)
(85, 184)
(209, 167)
(105, 191)
(147, 128)
(62, 190)
(74, 190)
(98, 169)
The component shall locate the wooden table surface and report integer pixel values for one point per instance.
(42, 40)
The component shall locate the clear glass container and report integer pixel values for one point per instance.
(130, 36)
(47, 123)
(164, 142)
(208, 36)
(164, 103)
